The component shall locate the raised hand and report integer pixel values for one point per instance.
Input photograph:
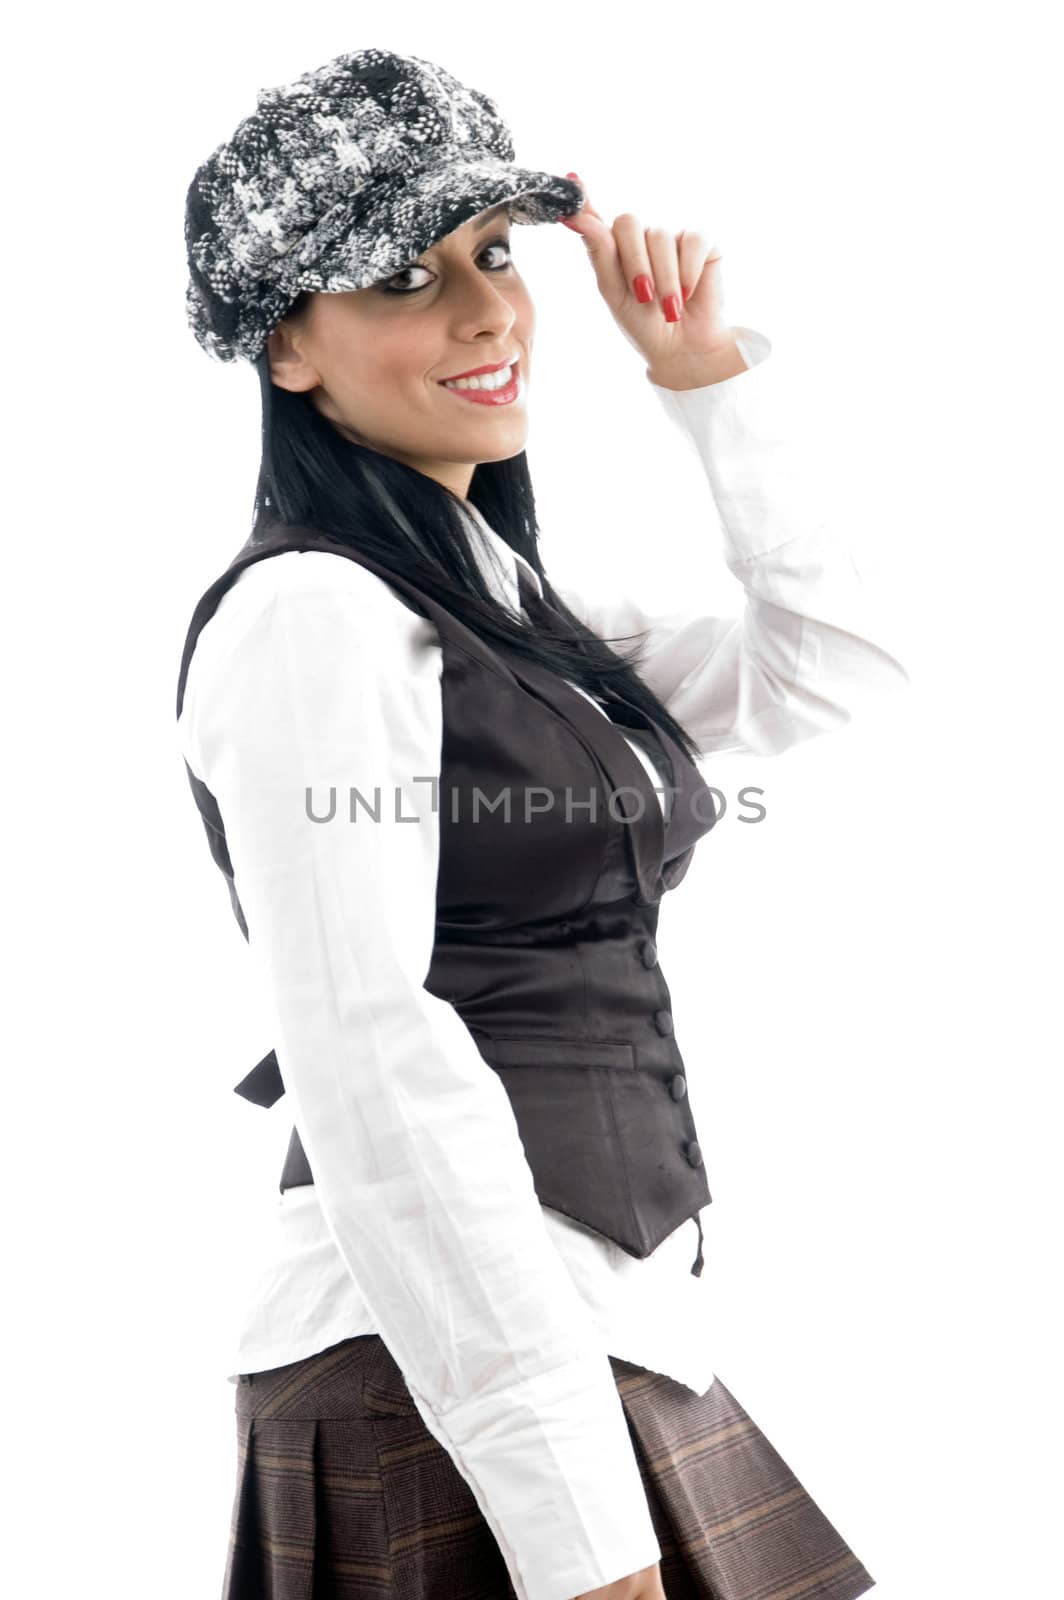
(665, 294)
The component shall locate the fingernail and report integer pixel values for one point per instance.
(576, 178)
(686, 293)
(644, 289)
(671, 307)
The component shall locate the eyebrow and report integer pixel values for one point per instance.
(489, 216)
(482, 222)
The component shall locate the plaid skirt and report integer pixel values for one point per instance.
(343, 1494)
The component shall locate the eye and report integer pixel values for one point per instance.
(391, 286)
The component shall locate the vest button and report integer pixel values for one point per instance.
(678, 1086)
(648, 953)
(693, 1153)
(663, 1021)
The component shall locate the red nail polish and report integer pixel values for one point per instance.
(671, 307)
(686, 293)
(644, 289)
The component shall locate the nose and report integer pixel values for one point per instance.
(484, 306)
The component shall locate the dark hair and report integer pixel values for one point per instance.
(312, 476)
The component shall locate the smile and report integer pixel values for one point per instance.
(490, 389)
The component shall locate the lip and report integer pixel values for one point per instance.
(506, 396)
(476, 372)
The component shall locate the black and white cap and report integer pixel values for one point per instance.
(338, 180)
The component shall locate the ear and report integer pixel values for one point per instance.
(289, 367)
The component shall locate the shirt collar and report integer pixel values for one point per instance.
(501, 563)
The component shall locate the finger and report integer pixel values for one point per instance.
(587, 206)
(665, 265)
(587, 220)
(601, 248)
(695, 253)
(633, 259)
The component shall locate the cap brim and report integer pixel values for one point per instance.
(418, 211)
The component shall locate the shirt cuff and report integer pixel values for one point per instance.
(762, 470)
(552, 1465)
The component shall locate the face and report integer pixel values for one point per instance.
(373, 359)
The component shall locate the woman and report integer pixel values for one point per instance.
(447, 810)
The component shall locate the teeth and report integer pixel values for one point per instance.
(487, 380)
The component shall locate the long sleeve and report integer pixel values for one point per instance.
(314, 676)
(807, 649)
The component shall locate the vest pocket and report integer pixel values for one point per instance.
(554, 1051)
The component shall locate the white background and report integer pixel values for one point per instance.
(865, 984)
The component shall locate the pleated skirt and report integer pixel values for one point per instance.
(343, 1494)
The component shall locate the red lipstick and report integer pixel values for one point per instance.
(489, 397)
(475, 372)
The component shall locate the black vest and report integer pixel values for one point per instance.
(545, 922)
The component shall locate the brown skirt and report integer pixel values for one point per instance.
(343, 1494)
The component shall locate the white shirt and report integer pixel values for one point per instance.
(422, 1224)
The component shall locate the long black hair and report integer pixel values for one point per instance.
(312, 476)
